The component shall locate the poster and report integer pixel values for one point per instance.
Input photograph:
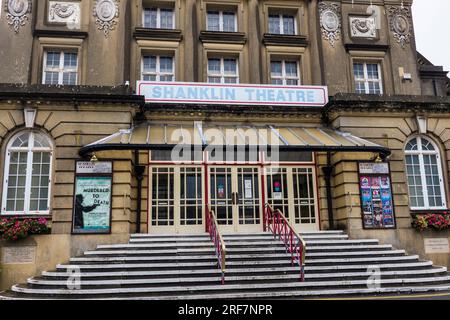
(376, 196)
(92, 204)
(277, 194)
(220, 191)
(248, 193)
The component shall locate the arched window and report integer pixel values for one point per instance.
(424, 173)
(27, 175)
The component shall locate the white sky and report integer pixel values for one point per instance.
(432, 29)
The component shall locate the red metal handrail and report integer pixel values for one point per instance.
(276, 222)
(219, 245)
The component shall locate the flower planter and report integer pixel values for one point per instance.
(14, 229)
(431, 221)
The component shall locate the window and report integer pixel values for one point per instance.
(282, 24)
(159, 18)
(424, 174)
(60, 67)
(221, 21)
(367, 78)
(158, 68)
(27, 174)
(223, 70)
(284, 72)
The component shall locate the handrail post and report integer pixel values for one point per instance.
(286, 233)
(219, 244)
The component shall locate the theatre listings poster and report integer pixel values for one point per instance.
(92, 207)
(376, 196)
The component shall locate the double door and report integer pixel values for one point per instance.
(293, 190)
(179, 196)
(235, 197)
(176, 199)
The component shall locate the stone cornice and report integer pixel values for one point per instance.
(73, 94)
(223, 37)
(157, 34)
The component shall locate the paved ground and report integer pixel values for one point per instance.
(427, 296)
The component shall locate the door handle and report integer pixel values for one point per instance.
(234, 196)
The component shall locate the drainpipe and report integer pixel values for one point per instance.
(327, 171)
(139, 172)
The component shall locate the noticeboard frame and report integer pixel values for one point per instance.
(92, 175)
(394, 227)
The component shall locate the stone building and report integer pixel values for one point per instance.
(71, 93)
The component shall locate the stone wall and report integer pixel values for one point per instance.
(71, 127)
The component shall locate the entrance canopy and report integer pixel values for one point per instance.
(163, 136)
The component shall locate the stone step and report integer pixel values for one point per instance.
(239, 238)
(297, 285)
(250, 252)
(310, 272)
(358, 242)
(243, 259)
(275, 246)
(231, 276)
(230, 235)
(261, 268)
(210, 255)
(41, 281)
(374, 260)
(255, 295)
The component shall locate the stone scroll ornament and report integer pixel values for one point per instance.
(17, 13)
(362, 27)
(330, 21)
(106, 13)
(61, 10)
(400, 24)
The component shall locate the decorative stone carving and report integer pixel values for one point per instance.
(17, 13)
(363, 27)
(400, 24)
(64, 12)
(106, 12)
(330, 21)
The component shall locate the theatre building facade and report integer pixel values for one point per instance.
(142, 117)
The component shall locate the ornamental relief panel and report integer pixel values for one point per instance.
(330, 21)
(17, 12)
(106, 14)
(400, 24)
(64, 12)
(363, 27)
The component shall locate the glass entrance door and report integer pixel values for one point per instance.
(293, 191)
(176, 199)
(235, 197)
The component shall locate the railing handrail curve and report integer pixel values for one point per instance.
(219, 243)
(292, 250)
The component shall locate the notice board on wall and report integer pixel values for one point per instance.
(375, 188)
(92, 198)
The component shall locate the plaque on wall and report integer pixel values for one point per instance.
(19, 255)
(436, 245)
(63, 12)
(92, 198)
(363, 27)
(377, 205)
(89, 167)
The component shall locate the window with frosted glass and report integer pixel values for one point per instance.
(157, 68)
(223, 70)
(27, 174)
(60, 67)
(367, 78)
(285, 72)
(282, 24)
(158, 18)
(221, 21)
(424, 174)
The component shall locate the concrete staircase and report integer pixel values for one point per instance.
(185, 267)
